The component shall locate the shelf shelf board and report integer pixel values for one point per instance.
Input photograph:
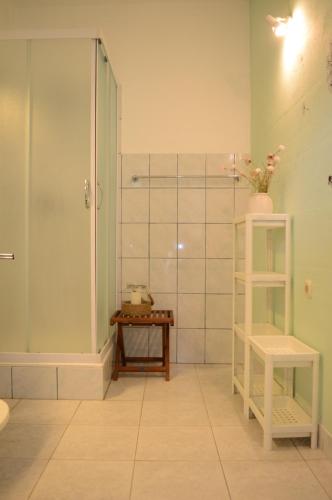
(286, 413)
(269, 221)
(258, 329)
(263, 279)
(282, 348)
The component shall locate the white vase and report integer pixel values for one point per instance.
(260, 203)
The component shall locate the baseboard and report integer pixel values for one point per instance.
(325, 441)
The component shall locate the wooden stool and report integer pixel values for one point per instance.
(164, 319)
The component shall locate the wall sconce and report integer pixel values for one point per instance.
(279, 25)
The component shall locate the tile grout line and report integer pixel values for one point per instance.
(52, 454)
(137, 439)
(214, 439)
(317, 478)
(149, 241)
(177, 259)
(205, 258)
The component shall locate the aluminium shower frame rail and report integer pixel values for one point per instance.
(136, 178)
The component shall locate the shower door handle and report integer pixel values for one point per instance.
(87, 193)
(7, 256)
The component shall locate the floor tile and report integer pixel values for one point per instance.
(98, 443)
(176, 443)
(39, 411)
(84, 480)
(322, 469)
(12, 402)
(170, 413)
(268, 480)
(18, 476)
(182, 390)
(183, 385)
(246, 443)
(126, 389)
(303, 446)
(179, 480)
(226, 410)
(29, 441)
(108, 413)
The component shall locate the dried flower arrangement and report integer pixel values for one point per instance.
(260, 178)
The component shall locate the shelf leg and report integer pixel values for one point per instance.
(267, 441)
(314, 402)
(246, 379)
(268, 401)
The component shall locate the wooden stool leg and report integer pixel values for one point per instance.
(121, 345)
(115, 373)
(167, 352)
(163, 344)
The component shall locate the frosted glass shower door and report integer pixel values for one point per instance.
(13, 195)
(59, 223)
(105, 194)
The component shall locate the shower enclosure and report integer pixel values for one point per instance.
(58, 157)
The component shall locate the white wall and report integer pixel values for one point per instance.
(183, 66)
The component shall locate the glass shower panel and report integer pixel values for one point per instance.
(13, 194)
(102, 194)
(59, 223)
(112, 195)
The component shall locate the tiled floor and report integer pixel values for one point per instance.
(154, 440)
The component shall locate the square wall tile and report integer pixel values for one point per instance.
(155, 342)
(5, 382)
(219, 164)
(191, 275)
(241, 201)
(218, 311)
(166, 301)
(191, 310)
(80, 382)
(163, 275)
(34, 382)
(163, 205)
(191, 240)
(219, 241)
(163, 240)
(135, 239)
(135, 271)
(219, 205)
(163, 164)
(136, 341)
(173, 345)
(191, 205)
(219, 275)
(135, 205)
(218, 346)
(191, 346)
(191, 164)
(135, 164)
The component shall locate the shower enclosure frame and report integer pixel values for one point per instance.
(93, 357)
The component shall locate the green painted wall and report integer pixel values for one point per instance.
(292, 105)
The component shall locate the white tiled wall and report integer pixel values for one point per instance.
(177, 238)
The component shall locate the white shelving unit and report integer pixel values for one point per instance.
(271, 272)
(280, 415)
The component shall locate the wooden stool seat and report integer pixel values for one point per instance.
(161, 318)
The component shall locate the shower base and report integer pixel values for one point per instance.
(56, 376)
